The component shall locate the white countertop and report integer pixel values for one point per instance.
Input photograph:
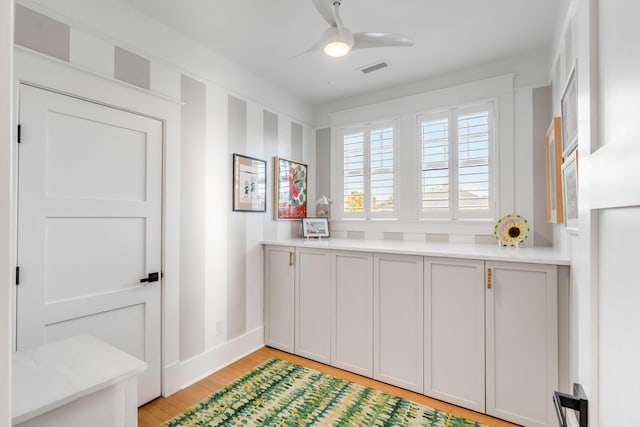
(536, 255)
(55, 374)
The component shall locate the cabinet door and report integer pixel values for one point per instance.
(522, 342)
(352, 312)
(398, 326)
(454, 358)
(279, 297)
(313, 304)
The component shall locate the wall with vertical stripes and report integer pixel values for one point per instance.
(221, 258)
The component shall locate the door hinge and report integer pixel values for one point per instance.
(17, 276)
(488, 278)
(19, 134)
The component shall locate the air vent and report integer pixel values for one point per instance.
(374, 67)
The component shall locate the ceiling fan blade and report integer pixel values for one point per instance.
(325, 8)
(318, 46)
(370, 40)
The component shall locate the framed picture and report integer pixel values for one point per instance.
(249, 184)
(569, 107)
(570, 192)
(553, 150)
(291, 189)
(315, 227)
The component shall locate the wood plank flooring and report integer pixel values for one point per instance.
(154, 413)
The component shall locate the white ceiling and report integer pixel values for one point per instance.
(266, 35)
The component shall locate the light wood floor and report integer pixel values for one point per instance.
(162, 409)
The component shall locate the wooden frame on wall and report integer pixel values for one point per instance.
(290, 189)
(553, 150)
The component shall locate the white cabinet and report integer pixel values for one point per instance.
(522, 342)
(476, 333)
(279, 297)
(352, 311)
(313, 304)
(398, 322)
(454, 355)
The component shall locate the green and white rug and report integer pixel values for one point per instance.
(279, 393)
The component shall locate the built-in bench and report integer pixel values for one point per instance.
(77, 382)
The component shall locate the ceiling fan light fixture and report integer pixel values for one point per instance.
(336, 48)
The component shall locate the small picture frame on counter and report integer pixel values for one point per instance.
(315, 227)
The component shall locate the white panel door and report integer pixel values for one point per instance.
(89, 227)
(397, 320)
(522, 342)
(454, 331)
(313, 304)
(279, 297)
(352, 312)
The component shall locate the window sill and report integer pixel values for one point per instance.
(428, 226)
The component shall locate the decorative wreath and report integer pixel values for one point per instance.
(511, 230)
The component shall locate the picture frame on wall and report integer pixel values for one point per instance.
(249, 184)
(553, 150)
(291, 189)
(315, 227)
(569, 110)
(570, 192)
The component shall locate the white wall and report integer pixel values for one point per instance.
(225, 317)
(6, 138)
(574, 44)
(600, 37)
(512, 83)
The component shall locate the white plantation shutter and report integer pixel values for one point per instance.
(369, 189)
(456, 148)
(382, 189)
(435, 164)
(354, 172)
(473, 160)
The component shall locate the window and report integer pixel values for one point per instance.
(456, 149)
(369, 171)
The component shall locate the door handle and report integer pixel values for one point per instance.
(152, 277)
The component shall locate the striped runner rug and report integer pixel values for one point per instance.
(280, 393)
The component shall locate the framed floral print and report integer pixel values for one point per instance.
(553, 150)
(249, 184)
(291, 189)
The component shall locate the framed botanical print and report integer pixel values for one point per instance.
(553, 150)
(291, 189)
(569, 106)
(249, 184)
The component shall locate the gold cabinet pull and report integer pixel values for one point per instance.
(488, 278)
(290, 258)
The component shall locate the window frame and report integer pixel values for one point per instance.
(452, 113)
(367, 128)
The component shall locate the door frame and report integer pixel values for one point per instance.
(51, 74)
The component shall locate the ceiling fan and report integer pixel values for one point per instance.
(337, 40)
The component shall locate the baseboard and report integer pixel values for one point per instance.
(171, 380)
(183, 374)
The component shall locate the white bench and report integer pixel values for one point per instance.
(77, 382)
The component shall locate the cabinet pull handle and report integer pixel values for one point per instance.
(488, 278)
(290, 258)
